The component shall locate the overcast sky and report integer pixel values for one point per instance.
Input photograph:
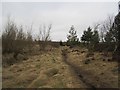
(60, 14)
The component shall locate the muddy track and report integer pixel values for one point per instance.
(77, 71)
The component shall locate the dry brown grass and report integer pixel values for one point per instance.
(45, 70)
(48, 70)
(97, 72)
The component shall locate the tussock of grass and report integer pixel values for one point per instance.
(52, 72)
(41, 80)
(38, 83)
(38, 66)
(59, 84)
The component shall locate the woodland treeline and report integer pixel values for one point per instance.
(104, 34)
(102, 37)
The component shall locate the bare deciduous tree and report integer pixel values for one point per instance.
(29, 34)
(44, 35)
(10, 30)
(21, 34)
(9, 36)
(105, 27)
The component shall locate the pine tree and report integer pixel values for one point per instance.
(116, 54)
(72, 37)
(95, 37)
(108, 37)
(87, 35)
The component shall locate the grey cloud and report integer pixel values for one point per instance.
(61, 15)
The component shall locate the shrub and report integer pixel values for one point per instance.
(61, 44)
(8, 59)
(14, 40)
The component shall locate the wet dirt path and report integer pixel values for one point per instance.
(90, 76)
(77, 71)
